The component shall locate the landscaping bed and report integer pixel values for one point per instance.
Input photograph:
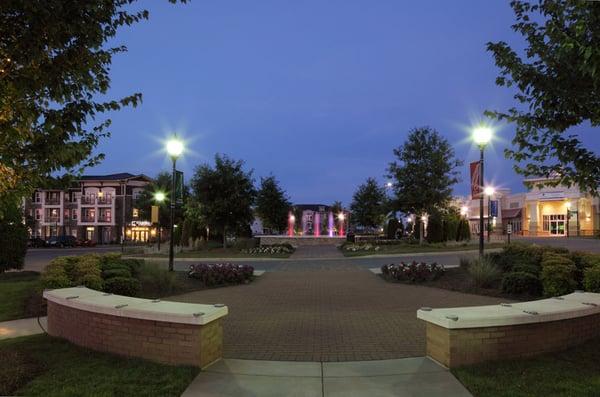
(41, 365)
(20, 295)
(573, 372)
(518, 272)
(403, 247)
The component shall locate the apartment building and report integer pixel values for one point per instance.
(101, 208)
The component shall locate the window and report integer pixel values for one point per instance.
(38, 214)
(136, 213)
(74, 215)
(514, 205)
(38, 197)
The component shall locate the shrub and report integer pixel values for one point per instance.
(116, 272)
(245, 243)
(527, 268)
(92, 281)
(392, 228)
(127, 286)
(591, 279)
(88, 266)
(464, 263)
(55, 277)
(520, 283)
(558, 274)
(484, 272)
(156, 280)
(435, 229)
(13, 245)
(414, 272)
(464, 231)
(16, 370)
(270, 249)
(222, 273)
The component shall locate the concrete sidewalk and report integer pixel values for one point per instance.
(22, 327)
(418, 376)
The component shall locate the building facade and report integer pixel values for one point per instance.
(100, 208)
(541, 211)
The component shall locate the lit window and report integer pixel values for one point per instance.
(135, 213)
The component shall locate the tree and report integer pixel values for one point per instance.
(55, 59)
(272, 204)
(369, 204)
(558, 85)
(435, 228)
(225, 194)
(13, 241)
(424, 173)
(336, 208)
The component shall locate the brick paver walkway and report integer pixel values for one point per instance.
(332, 314)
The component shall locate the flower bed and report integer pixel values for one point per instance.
(221, 273)
(351, 247)
(414, 272)
(269, 249)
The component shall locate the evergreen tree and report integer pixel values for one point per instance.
(272, 204)
(369, 204)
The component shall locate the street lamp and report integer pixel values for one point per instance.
(174, 149)
(489, 192)
(159, 197)
(481, 136)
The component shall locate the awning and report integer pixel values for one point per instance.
(511, 213)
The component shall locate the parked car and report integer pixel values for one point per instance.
(86, 243)
(61, 241)
(36, 242)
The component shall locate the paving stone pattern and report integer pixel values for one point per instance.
(332, 314)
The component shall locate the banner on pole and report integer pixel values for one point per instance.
(154, 217)
(494, 208)
(475, 180)
(179, 187)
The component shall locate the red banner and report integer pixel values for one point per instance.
(475, 181)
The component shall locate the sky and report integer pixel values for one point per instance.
(317, 93)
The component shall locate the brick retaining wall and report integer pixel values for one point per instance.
(454, 347)
(165, 342)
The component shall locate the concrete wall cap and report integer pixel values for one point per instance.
(577, 304)
(90, 300)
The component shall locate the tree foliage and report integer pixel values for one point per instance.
(424, 173)
(161, 183)
(272, 204)
(225, 194)
(558, 87)
(369, 204)
(13, 238)
(55, 59)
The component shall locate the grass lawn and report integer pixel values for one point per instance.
(41, 365)
(416, 248)
(574, 372)
(214, 253)
(17, 290)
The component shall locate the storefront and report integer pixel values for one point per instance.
(140, 231)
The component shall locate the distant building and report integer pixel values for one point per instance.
(98, 207)
(547, 211)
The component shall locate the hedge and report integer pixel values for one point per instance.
(13, 245)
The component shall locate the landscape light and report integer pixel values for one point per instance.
(160, 196)
(174, 147)
(482, 135)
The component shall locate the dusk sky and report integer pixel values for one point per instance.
(317, 93)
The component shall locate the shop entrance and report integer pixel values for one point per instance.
(555, 224)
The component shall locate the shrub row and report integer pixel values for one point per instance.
(109, 273)
(270, 249)
(413, 272)
(222, 273)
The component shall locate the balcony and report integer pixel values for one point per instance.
(52, 201)
(88, 200)
(105, 219)
(52, 219)
(88, 219)
(105, 200)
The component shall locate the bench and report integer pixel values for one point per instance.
(168, 332)
(469, 335)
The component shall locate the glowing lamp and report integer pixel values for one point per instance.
(464, 210)
(489, 191)
(174, 147)
(292, 218)
(389, 184)
(341, 216)
(160, 197)
(482, 135)
(568, 204)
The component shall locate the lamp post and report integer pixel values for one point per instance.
(481, 136)
(174, 149)
(489, 192)
(159, 197)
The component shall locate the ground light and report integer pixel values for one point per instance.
(174, 149)
(482, 135)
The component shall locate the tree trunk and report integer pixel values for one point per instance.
(224, 237)
(421, 231)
